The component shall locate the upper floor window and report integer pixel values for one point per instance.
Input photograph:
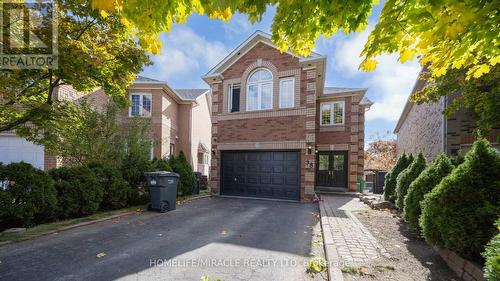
(141, 105)
(260, 90)
(332, 113)
(233, 98)
(287, 92)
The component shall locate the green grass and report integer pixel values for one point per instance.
(47, 228)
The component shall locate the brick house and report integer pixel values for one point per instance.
(277, 131)
(180, 120)
(424, 128)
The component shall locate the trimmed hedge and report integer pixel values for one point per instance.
(492, 257)
(79, 191)
(29, 196)
(116, 189)
(423, 184)
(459, 214)
(390, 181)
(187, 180)
(406, 177)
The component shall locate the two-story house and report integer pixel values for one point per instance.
(277, 131)
(180, 120)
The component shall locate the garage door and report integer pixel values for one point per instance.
(16, 149)
(265, 174)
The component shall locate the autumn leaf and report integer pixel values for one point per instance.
(369, 65)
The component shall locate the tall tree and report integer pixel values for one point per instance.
(445, 34)
(381, 155)
(93, 52)
(480, 96)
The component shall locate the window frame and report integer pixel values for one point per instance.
(141, 105)
(292, 79)
(332, 113)
(230, 88)
(259, 85)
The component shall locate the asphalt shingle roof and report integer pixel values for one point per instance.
(190, 94)
(337, 90)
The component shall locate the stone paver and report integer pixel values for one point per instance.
(347, 241)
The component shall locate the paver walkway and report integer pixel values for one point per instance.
(347, 241)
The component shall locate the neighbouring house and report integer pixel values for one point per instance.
(277, 131)
(180, 120)
(424, 128)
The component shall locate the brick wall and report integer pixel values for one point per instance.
(347, 137)
(422, 130)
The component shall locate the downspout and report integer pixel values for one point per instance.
(445, 125)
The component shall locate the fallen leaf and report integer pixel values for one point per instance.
(100, 255)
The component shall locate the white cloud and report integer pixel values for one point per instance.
(388, 86)
(184, 55)
(238, 24)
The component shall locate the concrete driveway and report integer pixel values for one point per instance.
(222, 238)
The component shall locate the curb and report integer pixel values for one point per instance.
(332, 257)
(65, 228)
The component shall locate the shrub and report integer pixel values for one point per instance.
(425, 182)
(492, 257)
(78, 189)
(27, 195)
(390, 181)
(187, 180)
(115, 189)
(137, 159)
(459, 214)
(161, 165)
(406, 177)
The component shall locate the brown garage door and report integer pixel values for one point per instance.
(259, 173)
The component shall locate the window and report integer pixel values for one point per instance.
(338, 162)
(260, 90)
(324, 162)
(172, 149)
(233, 98)
(287, 86)
(332, 113)
(141, 105)
(203, 158)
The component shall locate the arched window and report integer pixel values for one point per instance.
(260, 90)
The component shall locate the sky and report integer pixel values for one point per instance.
(190, 50)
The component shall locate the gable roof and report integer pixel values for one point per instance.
(190, 94)
(180, 95)
(249, 43)
(341, 91)
(143, 79)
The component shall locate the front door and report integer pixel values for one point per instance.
(332, 169)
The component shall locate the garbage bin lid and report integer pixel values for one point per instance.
(162, 174)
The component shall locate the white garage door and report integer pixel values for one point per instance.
(16, 149)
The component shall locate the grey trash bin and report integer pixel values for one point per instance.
(162, 190)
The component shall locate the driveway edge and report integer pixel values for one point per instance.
(69, 227)
(331, 254)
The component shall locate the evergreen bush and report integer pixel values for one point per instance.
(79, 192)
(187, 180)
(390, 180)
(459, 214)
(492, 257)
(406, 177)
(425, 182)
(27, 195)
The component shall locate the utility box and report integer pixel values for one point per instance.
(162, 190)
